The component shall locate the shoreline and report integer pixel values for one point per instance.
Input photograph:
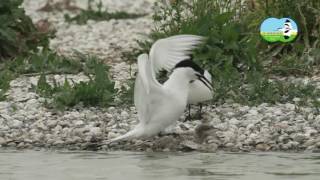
(26, 123)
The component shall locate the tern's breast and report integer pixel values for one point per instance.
(198, 92)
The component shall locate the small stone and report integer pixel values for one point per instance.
(32, 104)
(16, 124)
(111, 109)
(58, 142)
(311, 132)
(310, 117)
(20, 145)
(242, 137)
(230, 114)
(234, 121)
(52, 123)
(250, 126)
(310, 142)
(41, 126)
(124, 115)
(190, 145)
(79, 123)
(299, 137)
(229, 145)
(95, 131)
(209, 147)
(278, 112)
(109, 115)
(64, 124)
(296, 99)
(11, 144)
(2, 141)
(262, 147)
(290, 106)
(112, 135)
(253, 112)
(283, 125)
(244, 108)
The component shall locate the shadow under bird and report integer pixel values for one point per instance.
(161, 105)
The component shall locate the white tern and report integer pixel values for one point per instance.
(161, 105)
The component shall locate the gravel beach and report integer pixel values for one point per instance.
(25, 122)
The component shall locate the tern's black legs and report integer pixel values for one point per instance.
(188, 118)
(199, 114)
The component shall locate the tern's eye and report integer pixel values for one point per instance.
(191, 81)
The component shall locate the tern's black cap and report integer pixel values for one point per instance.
(191, 64)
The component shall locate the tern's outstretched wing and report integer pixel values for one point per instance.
(166, 53)
(146, 88)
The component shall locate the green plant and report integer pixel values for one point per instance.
(41, 63)
(100, 15)
(46, 61)
(5, 77)
(125, 96)
(98, 91)
(18, 35)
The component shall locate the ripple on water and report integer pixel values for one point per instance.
(80, 165)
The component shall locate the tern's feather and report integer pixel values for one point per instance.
(146, 88)
(166, 53)
(127, 136)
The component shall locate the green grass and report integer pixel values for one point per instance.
(45, 62)
(100, 15)
(5, 77)
(18, 35)
(98, 91)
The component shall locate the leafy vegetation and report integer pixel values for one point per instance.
(18, 35)
(45, 62)
(99, 15)
(5, 77)
(19, 44)
(242, 64)
(98, 91)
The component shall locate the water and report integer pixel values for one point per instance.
(49, 165)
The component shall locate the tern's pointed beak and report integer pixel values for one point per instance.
(205, 81)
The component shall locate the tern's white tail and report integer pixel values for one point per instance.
(129, 135)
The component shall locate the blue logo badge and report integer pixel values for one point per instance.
(283, 30)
